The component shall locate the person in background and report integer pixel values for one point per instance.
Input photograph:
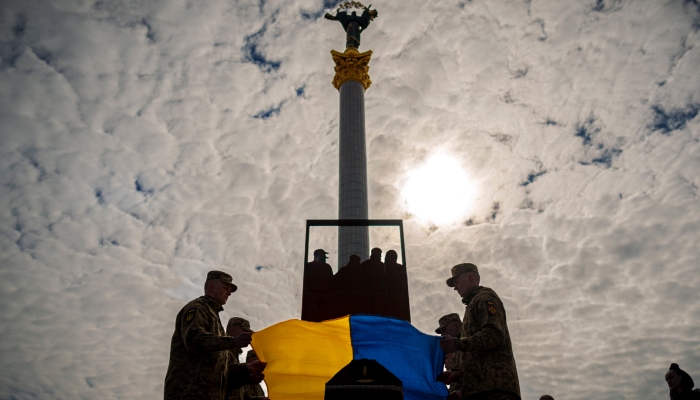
(450, 325)
(254, 391)
(680, 384)
(235, 326)
(546, 397)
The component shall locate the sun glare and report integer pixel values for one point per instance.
(439, 191)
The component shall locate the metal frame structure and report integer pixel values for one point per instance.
(354, 222)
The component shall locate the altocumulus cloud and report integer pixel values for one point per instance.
(145, 143)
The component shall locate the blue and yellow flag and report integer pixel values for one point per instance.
(302, 356)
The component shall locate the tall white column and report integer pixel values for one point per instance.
(351, 80)
(352, 196)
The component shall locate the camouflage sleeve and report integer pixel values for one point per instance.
(197, 338)
(490, 317)
(251, 391)
(238, 376)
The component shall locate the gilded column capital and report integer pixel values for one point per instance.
(351, 65)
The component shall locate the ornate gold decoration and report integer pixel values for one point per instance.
(356, 4)
(351, 65)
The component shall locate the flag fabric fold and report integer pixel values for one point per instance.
(302, 356)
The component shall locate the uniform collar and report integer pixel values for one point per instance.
(468, 298)
(213, 303)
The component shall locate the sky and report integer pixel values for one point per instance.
(144, 143)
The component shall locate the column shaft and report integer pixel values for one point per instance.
(352, 196)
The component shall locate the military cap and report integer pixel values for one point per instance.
(240, 322)
(460, 269)
(223, 277)
(320, 252)
(446, 319)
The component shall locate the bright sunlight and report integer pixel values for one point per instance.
(439, 191)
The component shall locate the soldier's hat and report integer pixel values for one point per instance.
(446, 319)
(240, 322)
(460, 269)
(223, 277)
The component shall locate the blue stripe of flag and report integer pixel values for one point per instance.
(414, 357)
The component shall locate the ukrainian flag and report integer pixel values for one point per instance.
(302, 356)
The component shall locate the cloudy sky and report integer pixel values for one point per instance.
(144, 143)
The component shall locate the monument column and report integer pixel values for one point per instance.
(352, 79)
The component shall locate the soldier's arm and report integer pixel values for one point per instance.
(238, 376)
(195, 335)
(491, 318)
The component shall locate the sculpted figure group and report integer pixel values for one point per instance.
(370, 287)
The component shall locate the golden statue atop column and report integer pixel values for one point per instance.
(351, 64)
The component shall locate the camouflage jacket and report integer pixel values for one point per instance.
(233, 391)
(454, 365)
(486, 360)
(198, 366)
(250, 391)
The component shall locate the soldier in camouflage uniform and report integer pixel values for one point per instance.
(235, 326)
(198, 366)
(487, 368)
(451, 325)
(254, 391)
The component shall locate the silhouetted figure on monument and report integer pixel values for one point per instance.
(373, 272)
(375, 259)
(395, 273)
(354, 262)
(317, 273)
(353, 24)
(318, 278)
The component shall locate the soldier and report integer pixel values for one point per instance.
(449, 325)
(198, 366)
(254, 391)
(235, 326)
(487, 369)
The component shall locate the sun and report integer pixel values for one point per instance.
(440, 191)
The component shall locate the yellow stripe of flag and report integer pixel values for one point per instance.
(302, 356)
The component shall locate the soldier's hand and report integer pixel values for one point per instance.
(456, 395)
(257, 378)
(448, 344)
(242, 339)
(448, 377)
(256, 367)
